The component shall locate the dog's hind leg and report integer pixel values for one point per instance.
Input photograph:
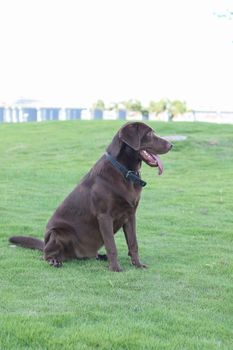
(53, 250)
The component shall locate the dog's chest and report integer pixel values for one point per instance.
(119, 221)
(122, 210)
(124, 200)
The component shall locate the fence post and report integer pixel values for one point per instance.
(30, 114)
(55, 113)
(2, 114)
(97, 113)
(122, 114)
(73, 113)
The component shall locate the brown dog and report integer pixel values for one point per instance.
(105, 200)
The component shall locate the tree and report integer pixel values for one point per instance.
(158, 107)
(171, 107)
(99, 104)
(113, 106)
(176, 107)
(133, 105)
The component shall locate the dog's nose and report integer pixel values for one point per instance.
(170, 146)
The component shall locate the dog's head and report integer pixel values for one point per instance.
(143, 140)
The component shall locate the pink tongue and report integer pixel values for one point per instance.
(160, 164)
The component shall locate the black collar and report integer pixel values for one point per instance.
(128, 174)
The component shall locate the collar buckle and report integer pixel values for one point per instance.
(129, 173)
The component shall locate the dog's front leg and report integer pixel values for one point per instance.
(106, 229)
(129, 229)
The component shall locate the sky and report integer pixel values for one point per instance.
(74, 52)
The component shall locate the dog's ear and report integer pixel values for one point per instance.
(130, 135)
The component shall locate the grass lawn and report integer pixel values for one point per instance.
(185, 221)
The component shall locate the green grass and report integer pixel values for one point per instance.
(183, 301)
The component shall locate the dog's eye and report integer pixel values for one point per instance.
(151, 134)
(147, 137)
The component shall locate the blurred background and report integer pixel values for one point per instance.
(131, 59)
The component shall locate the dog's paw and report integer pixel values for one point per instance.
(55, 262)
(115, 268)
(139, 265)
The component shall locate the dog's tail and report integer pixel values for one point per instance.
(27, 242)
